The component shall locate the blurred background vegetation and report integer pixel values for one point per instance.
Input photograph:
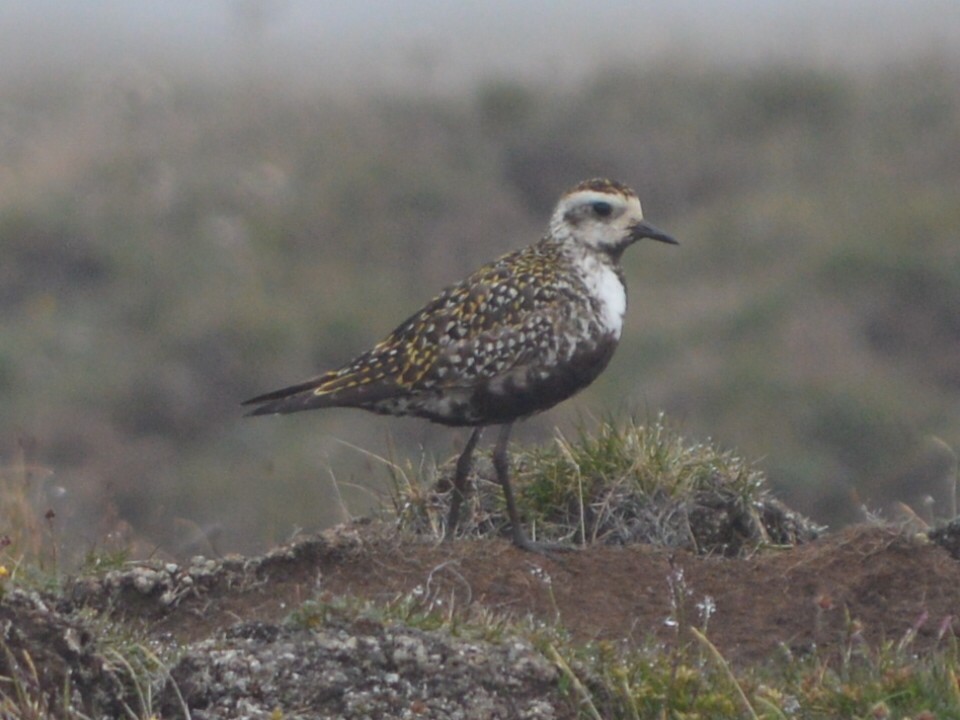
(176, 238)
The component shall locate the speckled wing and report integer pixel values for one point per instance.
(470, 333)
(479, 328)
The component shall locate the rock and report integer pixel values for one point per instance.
(360, 670)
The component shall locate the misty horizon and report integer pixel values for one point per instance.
(404, 43)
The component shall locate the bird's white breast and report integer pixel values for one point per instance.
(607, 289)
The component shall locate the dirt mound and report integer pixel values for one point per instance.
(796, 597)
(228, 614)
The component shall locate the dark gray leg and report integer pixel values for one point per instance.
(464, 462)
(501, 463)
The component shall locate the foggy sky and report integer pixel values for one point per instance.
(443, 44)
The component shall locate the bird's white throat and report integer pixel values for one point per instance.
(606, 287)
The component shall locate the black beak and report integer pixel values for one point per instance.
(643, 229)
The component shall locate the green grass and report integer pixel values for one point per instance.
(619, 482)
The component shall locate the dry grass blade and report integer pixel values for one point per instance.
(725, 667)
(586, 702)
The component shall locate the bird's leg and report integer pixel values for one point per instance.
(464, 462)
(501, 463)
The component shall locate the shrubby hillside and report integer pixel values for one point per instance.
(170, 247)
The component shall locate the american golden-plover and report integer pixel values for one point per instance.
(515, 338)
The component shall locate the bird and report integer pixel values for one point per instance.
(515, 338)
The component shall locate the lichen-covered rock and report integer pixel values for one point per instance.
(361, 670)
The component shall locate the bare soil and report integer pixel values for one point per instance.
(887, 580)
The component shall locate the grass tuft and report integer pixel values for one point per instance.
(620, 483)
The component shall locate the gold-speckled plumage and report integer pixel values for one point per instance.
(516, 337)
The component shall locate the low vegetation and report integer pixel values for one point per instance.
(621, 483)
(91, 645)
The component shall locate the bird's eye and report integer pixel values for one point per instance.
(602, 209)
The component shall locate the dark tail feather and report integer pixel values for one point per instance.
(290, 399)
(285, 392)
(301, 397)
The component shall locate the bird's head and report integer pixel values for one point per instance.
(603, 215)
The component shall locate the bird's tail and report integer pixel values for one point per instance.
(290, 399)
(333, 389)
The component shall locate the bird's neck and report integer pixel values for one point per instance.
(581, 255)
(601, 278)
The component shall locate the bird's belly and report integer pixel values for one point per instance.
(449, 406)
(542, 388)
(524, 391)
